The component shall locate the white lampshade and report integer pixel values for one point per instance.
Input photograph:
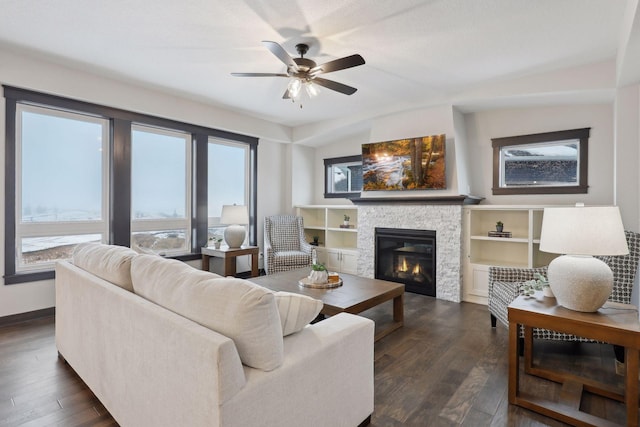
(236, 216)
(582, 230)
(579, 281)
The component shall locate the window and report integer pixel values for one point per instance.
(228, 180)
(545, 163)
(78, 172)
(160, 189)
(62, 185)
(343, 177)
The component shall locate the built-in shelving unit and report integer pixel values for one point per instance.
(481, 251)
(338, 248)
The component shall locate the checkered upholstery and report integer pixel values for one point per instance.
(505, 284)
(285, 246)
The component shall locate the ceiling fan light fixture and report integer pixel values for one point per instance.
(294, 87)
(312, 90)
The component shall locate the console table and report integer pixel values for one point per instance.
(229, 255)
(613, 323)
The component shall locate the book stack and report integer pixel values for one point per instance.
(499, 234)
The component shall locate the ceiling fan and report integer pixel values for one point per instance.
(304, 72)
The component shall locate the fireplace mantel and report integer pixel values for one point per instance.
(431, 200)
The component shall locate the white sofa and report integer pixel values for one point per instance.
(163, 344)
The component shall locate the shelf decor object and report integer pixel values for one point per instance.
(236, 217)
(579, 281)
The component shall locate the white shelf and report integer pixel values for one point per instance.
(340, 245)
(481, 251)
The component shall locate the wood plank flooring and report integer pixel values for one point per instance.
(445, 367)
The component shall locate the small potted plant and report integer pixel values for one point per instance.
(318, 274)
(540, 283)
(316, 240)
(216, 241)
(499, 226)
(346, 220)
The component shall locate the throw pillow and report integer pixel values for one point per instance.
(296, 311)
(109, 262)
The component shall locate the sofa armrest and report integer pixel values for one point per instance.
(326, 379)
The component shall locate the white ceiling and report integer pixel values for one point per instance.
(417, 52)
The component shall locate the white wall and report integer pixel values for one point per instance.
(482, 126)
(302, 167)
(627, 155)
(21, 71)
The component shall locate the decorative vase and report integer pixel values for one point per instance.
(345, 223)
(318, 276)
(499, 228)
(216, 245)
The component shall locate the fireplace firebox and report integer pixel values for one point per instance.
(407, 256)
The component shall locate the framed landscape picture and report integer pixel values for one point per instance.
(404, 164)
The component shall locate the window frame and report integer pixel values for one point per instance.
(329, 164)
(58, 228)
(119, 143)
(214, 222)
(166, 224)
(582, 185)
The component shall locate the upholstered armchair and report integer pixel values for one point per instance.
(284, 245)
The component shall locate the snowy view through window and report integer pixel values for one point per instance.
(60, 184)
(63, 185)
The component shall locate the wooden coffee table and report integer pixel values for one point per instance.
(356, 295)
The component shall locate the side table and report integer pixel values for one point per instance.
(614, 323)
(229, 256)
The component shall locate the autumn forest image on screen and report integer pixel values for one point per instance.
(405, 164)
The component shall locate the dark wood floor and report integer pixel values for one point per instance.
(446, 367)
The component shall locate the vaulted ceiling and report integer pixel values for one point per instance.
(417, 52)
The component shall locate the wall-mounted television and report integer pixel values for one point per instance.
(404, 164)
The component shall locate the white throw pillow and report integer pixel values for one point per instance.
(109, 262)
(241, 310)
(296, 311)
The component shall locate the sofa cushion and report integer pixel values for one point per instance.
(243, 311)
(109, 262)
(296, 311)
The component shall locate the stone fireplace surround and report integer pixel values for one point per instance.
(446, 220)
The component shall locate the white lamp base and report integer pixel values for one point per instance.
(580, 283)
(234, 236)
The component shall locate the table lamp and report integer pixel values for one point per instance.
(579, 281)
(236, 217)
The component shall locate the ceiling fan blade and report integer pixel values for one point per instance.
(338, 87)
(259, 75)
(339, 64)
(282, 54)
